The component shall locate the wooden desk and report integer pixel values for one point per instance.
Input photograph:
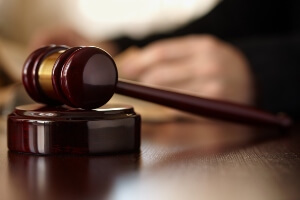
(178, 160)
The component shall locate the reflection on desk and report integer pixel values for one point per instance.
(67, 177)
(188, 159)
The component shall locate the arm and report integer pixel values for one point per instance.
(231, 19)
(275, 62)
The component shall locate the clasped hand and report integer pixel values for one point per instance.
(201, 64)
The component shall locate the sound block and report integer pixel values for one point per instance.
(41, 129)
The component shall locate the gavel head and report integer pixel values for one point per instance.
(81, 77)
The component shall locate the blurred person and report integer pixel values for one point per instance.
(242, 51)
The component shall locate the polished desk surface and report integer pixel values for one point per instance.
(185, 159)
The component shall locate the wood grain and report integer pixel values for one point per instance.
(197, 159)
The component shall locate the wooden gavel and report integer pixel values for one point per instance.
(87, 77)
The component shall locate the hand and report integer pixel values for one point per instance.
(200, 64)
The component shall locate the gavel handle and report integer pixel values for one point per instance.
(201, 106)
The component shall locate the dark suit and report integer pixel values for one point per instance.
(268, 32)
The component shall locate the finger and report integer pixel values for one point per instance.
(134, 64)
(121, 59)
(167, 73)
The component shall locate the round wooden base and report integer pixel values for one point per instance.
(41, 129)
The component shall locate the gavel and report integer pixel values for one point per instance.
(87, 77)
